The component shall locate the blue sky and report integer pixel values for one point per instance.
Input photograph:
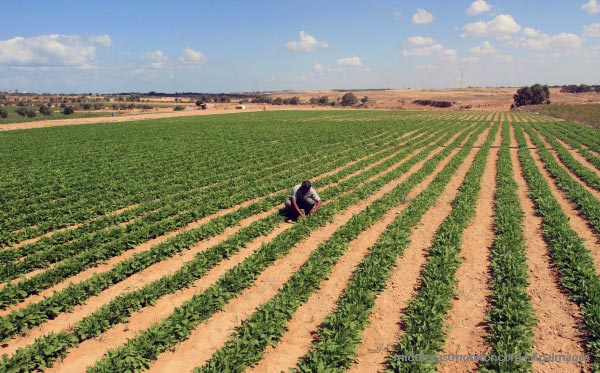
(223, 46)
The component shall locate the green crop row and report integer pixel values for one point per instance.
(587, 175)
(75, 294)
(46, 251)
(137, 353)
(575, 192)
(340, 333)
(213, 179)
(511, 316)
(586, 135)
(426, 313)
(273, 151)
(266, 326)
(14, 292)
(565, 136)
(576, 266)
(117, 310)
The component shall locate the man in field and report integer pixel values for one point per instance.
(304, 200)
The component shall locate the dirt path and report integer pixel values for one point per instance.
(296, 341)
(383, 330)
(197, 349)
(466, 318)
(557, 329)
(576, 221)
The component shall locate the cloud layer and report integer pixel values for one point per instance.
(51, 50)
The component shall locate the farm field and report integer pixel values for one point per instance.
(161, 245)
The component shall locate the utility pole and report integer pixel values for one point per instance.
(462, 78)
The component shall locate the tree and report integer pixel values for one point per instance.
(535, 95)
(295, 100)
(323, 100)
(364, 100)
(68, 110)
(349, 99)
(3, 113)
(45, 110)
(278, 101)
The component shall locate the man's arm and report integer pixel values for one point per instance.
(316, 207)
(298, 209)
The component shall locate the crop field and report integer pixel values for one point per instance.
(161, 245)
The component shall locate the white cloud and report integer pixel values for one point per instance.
(447, 55)
(306, 43)
(425, 51)
(532, 33)
(420, 40)
(422, 17)
(324, 69)
(398, 14)
(51, 50)
(156, 59)
(350, 61)
(592, 31)
(190, 56)
(471, 59)
(478, 7)
(484, 49)
(504, 58)
(591, 7)
(502, 27)
(559, 42)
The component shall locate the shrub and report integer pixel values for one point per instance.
(535, 95)
(178, 108)
(440, 104)
(3, 113)
(45, 110)
(68, 110)
(349, 99)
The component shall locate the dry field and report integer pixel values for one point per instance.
(160, 245)
(494, 99)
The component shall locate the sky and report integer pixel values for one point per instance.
(68, 46)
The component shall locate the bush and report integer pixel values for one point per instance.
(349, 99)
(440, 104)
(31, 113)
(364, 100)
(3, 113)
(45, 110)
(178, 108)
(68, 110)
(535, 95)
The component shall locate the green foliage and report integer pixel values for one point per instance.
(349, 99)
(3, 113)
(535, 95)
(179, 108)
(580, 113)
(45, 110)
(68, 110)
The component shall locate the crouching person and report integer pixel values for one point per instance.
(304, 201)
